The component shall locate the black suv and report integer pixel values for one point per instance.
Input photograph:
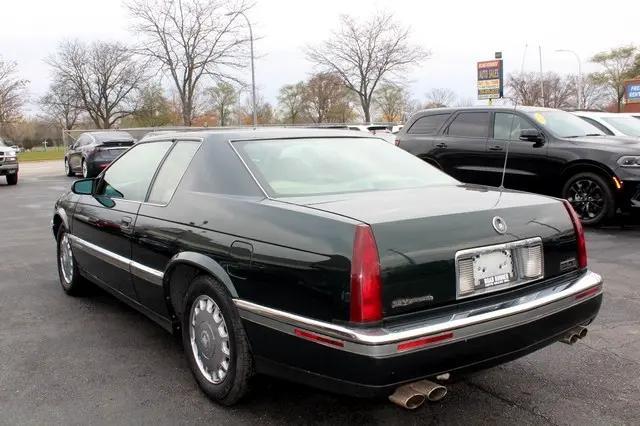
(553, 152)
(93, 151)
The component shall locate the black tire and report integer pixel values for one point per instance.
(68, 169)
(12, 179)
(86, 170)
(75, 285)
(235, 384)
(591, 197)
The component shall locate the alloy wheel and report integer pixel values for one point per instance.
(66, 259)
(85, 170)
(66, 167)
(587, 198)
(209, 339)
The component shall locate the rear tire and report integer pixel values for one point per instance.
(208, 350)
(12, 179)
(591, 197)
(85, 169)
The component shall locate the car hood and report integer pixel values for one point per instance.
(612, 143)
(6, 150)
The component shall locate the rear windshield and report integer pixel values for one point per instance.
(315, 166)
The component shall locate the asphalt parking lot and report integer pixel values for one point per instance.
(93, 360)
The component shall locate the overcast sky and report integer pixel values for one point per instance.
(458, 33)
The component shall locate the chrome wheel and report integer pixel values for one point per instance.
(66, 259)
(587, 198)
(209, 339)
(85, 170)
(66, 167)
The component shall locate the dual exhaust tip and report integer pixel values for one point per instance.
(573, 335)
(413, 395)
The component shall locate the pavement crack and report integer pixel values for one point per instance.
(510, 402)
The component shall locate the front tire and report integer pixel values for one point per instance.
(67, 168)
(12, 179)
(215, 342)
(85, 169)
(591, 197)
(68, 272)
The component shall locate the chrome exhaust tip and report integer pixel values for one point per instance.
(408, 397)
(581, 331)
(570, 338)
(434, 392)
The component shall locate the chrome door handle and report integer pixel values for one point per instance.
(441, 145)
(495, 148)
(126, 221)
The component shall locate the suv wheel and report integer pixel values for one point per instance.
(590, 196)
(215, 342)
(12, 179)
(67, 168)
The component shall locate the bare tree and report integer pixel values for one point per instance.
(440, 97)
(292, 102)
(104, 74)
(223, 97)
(594, 94)
(264, 111)
(191, 40)
(62, 104)
(325, 94)
(13, 92)
(619, 65)
(391, 100)
(365, 53)
(559, 91)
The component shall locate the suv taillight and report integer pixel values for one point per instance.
(366, 288)
(577, 227)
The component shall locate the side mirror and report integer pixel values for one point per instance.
(83, 187)
(532, 135)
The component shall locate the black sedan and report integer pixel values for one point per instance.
(92, 152)
(552, 152)
(325, 257)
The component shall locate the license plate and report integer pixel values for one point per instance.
(492, 268)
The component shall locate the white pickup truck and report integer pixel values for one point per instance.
(8, 163)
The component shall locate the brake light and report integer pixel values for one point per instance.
(577, 227)
(366, 297)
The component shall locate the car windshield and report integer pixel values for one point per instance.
(564, 124)
(315, 166)
(628, 125)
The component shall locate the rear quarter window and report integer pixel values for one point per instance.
(428, 125)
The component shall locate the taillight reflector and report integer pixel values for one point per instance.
(425, 341)
(587, 293)
(366, 288)
(577, 227)
(317, 338)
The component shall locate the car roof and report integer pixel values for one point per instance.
(596, 114)
(485, 107)
(259, 133)
(107, 136)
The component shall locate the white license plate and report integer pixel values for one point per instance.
(492, 268)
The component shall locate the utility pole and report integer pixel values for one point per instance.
(579, 83)
(541, 76)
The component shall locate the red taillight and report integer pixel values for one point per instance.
(366, 297)
(577, 227)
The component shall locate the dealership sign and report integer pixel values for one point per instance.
(490, 79)
(632, 91)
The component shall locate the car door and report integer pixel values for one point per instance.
(155, 239)
(419, 139)
(527, 163)
(103, 223)
(461, 149)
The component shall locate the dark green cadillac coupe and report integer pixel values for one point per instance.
(327, 258)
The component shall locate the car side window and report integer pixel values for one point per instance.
(129, 177)
(602, 127)
(470, 125)
(428, 125)
(172, 171)
(507, 126)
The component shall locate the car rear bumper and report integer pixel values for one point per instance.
(373, 361)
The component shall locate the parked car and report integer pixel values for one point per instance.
(92, 152)
(356, 273)
(611, 123)
(9, 167)
(553, 152)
